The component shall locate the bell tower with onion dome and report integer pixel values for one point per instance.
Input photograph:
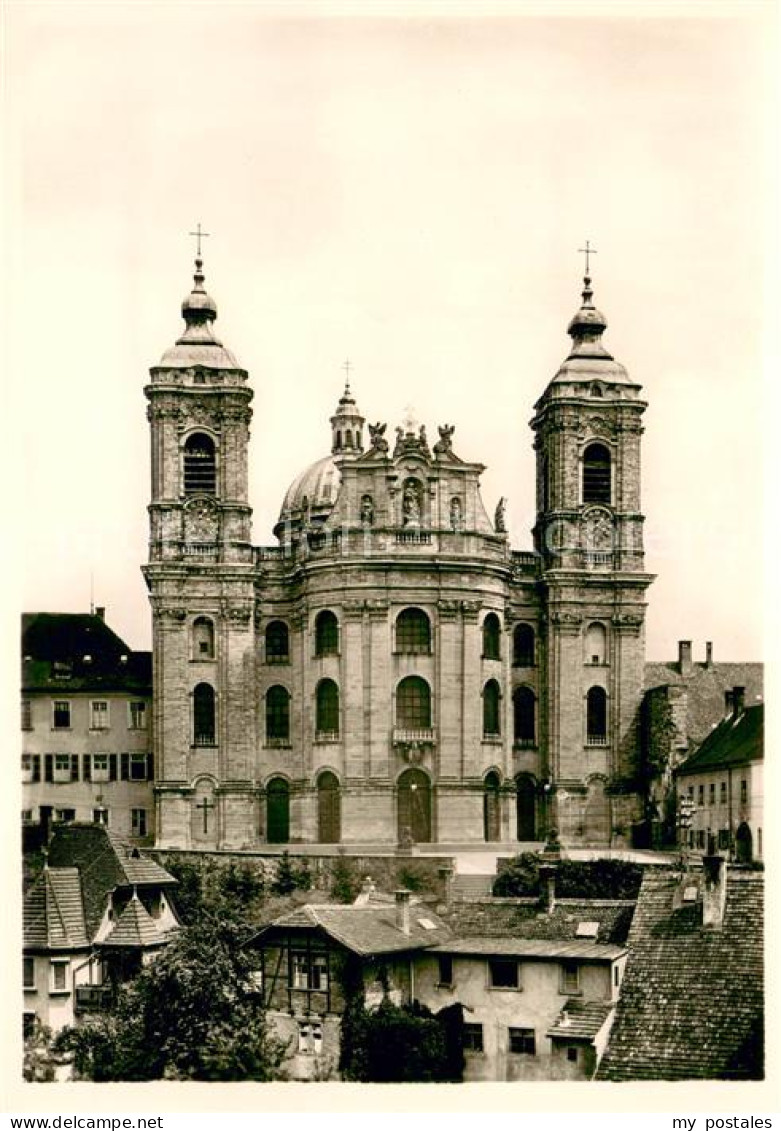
(201, 585)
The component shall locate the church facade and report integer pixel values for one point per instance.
(391, 671)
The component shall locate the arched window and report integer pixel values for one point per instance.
(200, 465)
(596, 717)
(526, 807)
(523, 646)
(277, 715)
(491, 709)
(545, 484)
(327, 710)
(491, 813)
(203, 715)
(413, 704)
(203, 639)
(524, 721)
(277, 642)
(277, 811)
(596, 474)
(326, 634)
(329, 809)
(413, 631)
(492, 632)
(596, 644)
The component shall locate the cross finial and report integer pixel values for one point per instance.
(199, 235)
(587, 251)
(347, 367)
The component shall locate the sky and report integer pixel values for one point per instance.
(407, 188)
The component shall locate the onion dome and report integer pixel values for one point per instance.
(198, 344)
(588, 359)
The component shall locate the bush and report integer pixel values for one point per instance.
(411, 877)
(575, 879)
(241, 881)
(396, 1045)
(519, 876)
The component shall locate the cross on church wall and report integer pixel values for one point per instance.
(205, 805)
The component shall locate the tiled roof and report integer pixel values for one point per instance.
(499, 918)
(691, 1004)
(734, 742)
(532, 948)
(53, 911)
(580, 1020)
(705, 689)
(104, 863)
(365, 930)
(54, 647)
(135, 927)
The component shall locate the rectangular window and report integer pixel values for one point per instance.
(138, 767)
(58, 983)
(100, 816)
(61, 714)
(701, 838)
(503, 973)
(701, 795)
(27, 767)
(473, 1038)
(712, 793)
(100, 767)
(27, 816)
(136, 712)
(27, 715)
(310, 972)
(138, 822)
(65, 815)
(310, 1037)
(570, 978)
(572, 1054)
(28, 973)
(445, 969)
(62, 767)
(723, 793)
(522, 1041)
(723, 838)
(98, 718)
(691, 793)
(743, 792)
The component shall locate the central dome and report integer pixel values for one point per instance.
(311, 495)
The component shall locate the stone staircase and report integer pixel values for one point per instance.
(466, 887)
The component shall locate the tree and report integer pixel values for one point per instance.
(39, 1062)
(519, 876)
(192, 1014)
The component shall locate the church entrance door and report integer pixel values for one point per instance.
(526, 806)
(414, 808)
(329, 815)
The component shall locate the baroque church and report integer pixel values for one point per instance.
(391, 671)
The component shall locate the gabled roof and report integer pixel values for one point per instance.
(365, 930)
(104, 863)
(135, 927)
(523, 919)
(53, 911)
(691, 1004)
(734, 742)
(580, 1020)
(555, 950)
(79, 652)
(705, 687)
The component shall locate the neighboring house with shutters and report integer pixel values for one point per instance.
(691, 1006)
(724, 781)
(96, 912)
(86, 726)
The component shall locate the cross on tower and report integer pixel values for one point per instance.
(206, 805)
(587, 251)
(347, 367)
(199, 235)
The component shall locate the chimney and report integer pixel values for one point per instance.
(548, 885)
(709, 655)
(367, 891)
(402, 910)
(714, 891)
(685, 657)
(729, 704)
(100, 612)
(739, 700)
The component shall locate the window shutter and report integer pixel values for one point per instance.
(125, 767)
(36, 761)
(74, 767)
(87, 767)
(112, 767)
(48, 770)
(150, 766)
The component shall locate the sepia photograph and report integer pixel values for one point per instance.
(389, 403)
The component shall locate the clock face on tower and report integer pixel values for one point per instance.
(597, 531)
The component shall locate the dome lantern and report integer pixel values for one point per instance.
(347, 423)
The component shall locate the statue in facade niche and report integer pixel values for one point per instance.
(367, 510)
(500, 516)
(410, 504)
(456, 517)
(445, 441)
(377, 436)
